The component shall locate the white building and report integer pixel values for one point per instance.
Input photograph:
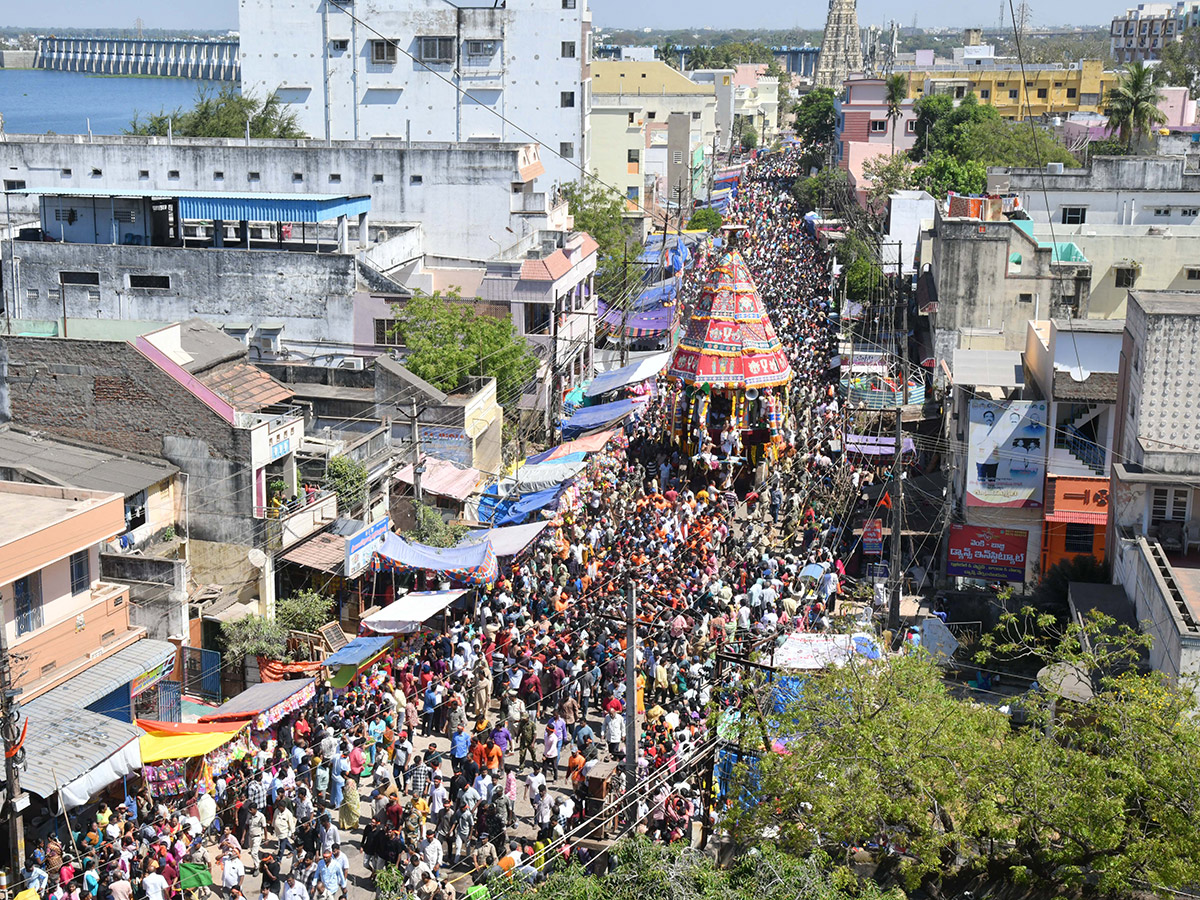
(428, 70)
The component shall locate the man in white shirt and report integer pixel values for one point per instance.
(154, 884)
(293, 889)
(232, 872)
(265, 894)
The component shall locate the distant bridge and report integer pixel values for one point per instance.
(209, 60)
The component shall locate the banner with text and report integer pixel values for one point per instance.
(992, 554)
(1006, 447)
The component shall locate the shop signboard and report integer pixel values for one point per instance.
(361, 546)
(990, 554)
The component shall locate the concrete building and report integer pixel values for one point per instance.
(1072, 365)
(841, 45)
(723, 89)
(409, 184)
(150, 553)
(445, 72)
(619, 154)
(756, 100)
(1145, 30)
(1114, 190)
(680, 118)
(1155, 527)
(1043, 89)
(909, 213)
(863, 130)
(185, 393)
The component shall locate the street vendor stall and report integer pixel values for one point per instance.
(266, 703)
(179, 758)
(408, 613)
(730, 366)
(356, 656)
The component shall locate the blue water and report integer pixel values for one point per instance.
(34, 101)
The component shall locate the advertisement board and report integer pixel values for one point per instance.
(361, 546)
(1006, 453)
(872, 536)
(991, 554)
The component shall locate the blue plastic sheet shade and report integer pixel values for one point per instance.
(592, 418)
(474, 564)
(634, 373)
(358, 651)
(656, 296)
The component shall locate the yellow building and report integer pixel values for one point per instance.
(1043, 90)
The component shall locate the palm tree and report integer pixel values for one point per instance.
(895, 93)
(1133, 104)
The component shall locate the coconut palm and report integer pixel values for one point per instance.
(895, 93)
(1133, 104)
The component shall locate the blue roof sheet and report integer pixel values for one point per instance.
(357, 652)
(229, 206)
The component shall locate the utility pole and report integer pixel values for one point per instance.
(631, 725)
(414, 427)
(555, 376)
(898, 464)
(18, 801)
(628, 301)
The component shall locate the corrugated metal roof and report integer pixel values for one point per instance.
(106, 676)
(65, 743)
(261, 696)
(245, 387)
(325, 552)
(233, 207)
(444, 478)
(988, 368)
(90, 468)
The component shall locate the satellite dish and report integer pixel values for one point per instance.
(257, 558)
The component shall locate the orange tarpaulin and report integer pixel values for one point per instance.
(274, 670)
(152, 727)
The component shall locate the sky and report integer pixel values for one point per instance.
(222, 14)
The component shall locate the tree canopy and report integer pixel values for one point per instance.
(599, 211)
(707, 218)
(347, 478)
(1133, 104)
(973, 133)
(447, 340)
(223, 114)
(816, 121)
(434, 531)
(1100, 797)
(1180, 63)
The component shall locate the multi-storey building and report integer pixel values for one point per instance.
(1146, 29)
(427, 70)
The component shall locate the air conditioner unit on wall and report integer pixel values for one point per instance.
(353, 363)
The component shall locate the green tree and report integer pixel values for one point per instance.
(940, 172)
(1180, 63)
(223, 114)
(816, 120)
(940, 123)
(600, 211)
(446, 340)
(1133, 104)
(819, 190)
(348, 479)
(887, 174)
(929, 111)
(1096, 798)
(708, 219)
(995, 142)
(1051, 594)
(667, 53)
(303, 611)
(434, 531)
(895, 93)
(252, 636)
(749, 137)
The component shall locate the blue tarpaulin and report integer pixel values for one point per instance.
(592, 418)
(496, 510)
(656, 296)
(474, 564)
(357, 652)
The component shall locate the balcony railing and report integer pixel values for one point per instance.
(292, 522)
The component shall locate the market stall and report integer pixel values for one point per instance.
(266, 703)
(356, 656)
(179, 758)
(408, 613)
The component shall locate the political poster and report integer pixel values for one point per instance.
(872, 536)
(990, 554)
(1006, 453)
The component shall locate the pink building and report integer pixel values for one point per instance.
(864, 130)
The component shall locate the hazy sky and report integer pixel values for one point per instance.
(607, 13)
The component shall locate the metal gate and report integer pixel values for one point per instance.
(202, 674)
(170, 706)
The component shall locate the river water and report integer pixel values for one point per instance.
(34, 101)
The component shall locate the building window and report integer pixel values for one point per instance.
(218, 176)
(537, 318)
(1012, 95)
(124, 215)
(79, 277)
(297, 177)
(631, 193)
(567, 99)
(377, 178)
(1189, 212)
(910, 127)
(172, 174)
(340, 45)
(631, 118)
(984, 94)
(386, 333)
(1041, 93)
(27, 593)
(93, 295)
(1126, 276)
(1168, 505)
(81, 573)
(14, 184)
(568, 49)
(253, 176)
(1162, 211)
(1070, 93)
(633, 156)
(650, 115)
(383, 53)
(435, 49)
(568, 4)
(416, 179)
(150, 282)
(335, 178)
(566, 150)
(1079, 538)
(135, 511)
(1074, 215)
(481, 48)
(879, 126)
(1193, 274)
(1026, 298)
(65, 173)
(31, 295)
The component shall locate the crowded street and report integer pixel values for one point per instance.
(468, 757)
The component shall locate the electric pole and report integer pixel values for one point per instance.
(898, 461)
(628, 301)
(416, 451)
(18, 801)
(630, 684)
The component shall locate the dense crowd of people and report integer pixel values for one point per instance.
(469, 759)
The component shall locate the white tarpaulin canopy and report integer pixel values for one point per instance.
(509, 540)
(408, 613)
(627, 375)
(124, 762)
(544, 476)
(809, 651)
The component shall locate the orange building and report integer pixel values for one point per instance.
(1076, 518)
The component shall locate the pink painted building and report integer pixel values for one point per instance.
(864, 130)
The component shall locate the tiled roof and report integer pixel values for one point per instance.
(558, 263)
(245, 387)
